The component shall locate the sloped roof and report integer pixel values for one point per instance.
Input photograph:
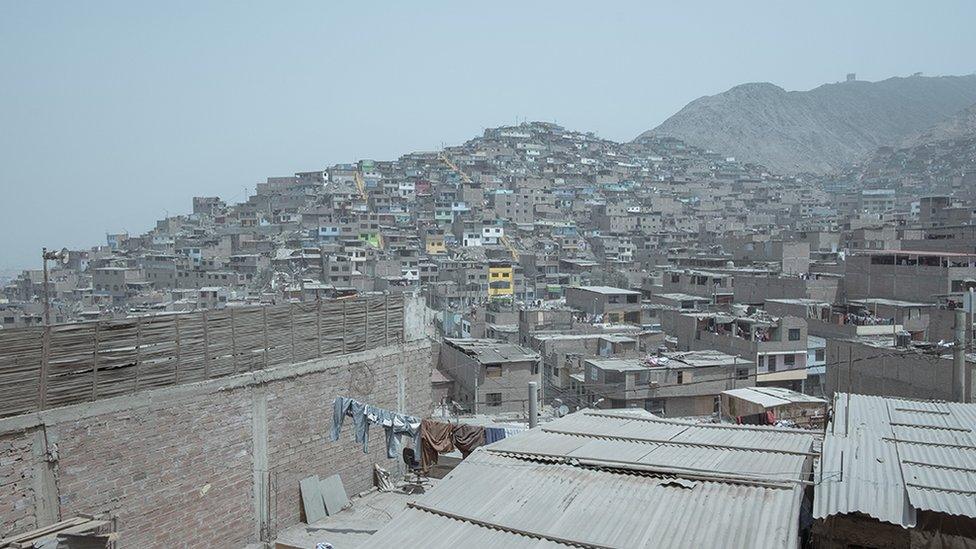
(591, 479)
(889, 458)
(770, 397)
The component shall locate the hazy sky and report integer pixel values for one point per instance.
(112, 113)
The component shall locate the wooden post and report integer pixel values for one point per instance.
(318, 323)
(343, 327)
(206, 347)
(233, 340)
(264, 318)
(138, 350)
(45, 355)
(95, 365)
(291, 325)
(179, 352)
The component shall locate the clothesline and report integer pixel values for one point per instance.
(364, 415)
(430, 436)
(442, 437)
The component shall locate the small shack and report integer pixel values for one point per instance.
(782, 404)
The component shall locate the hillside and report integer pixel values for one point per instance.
(820, 130)
(940, 159)
(961, 125)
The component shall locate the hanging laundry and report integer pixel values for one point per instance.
(493, 434)
(468, 437)
(395, 425)
(360, 420)
(340, 408)
(512, 431)
(435, 437)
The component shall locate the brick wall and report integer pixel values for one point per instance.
(300, 417)
(180, 466)
(16, 484)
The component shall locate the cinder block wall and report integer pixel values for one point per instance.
(210, 464)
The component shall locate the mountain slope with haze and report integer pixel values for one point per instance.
(821, 130)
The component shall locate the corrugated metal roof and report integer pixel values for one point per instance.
(889, 458)
(496, 496)
(621, 478)
(770, 397)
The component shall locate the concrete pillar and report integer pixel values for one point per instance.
(259, 462)
(47, 509)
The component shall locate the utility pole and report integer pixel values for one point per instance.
(45, 257)
(47, 298)
(959, 359)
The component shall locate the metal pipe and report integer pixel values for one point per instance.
(533, 404)
(47, 297)
(959, 359)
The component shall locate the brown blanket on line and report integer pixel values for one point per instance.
(435, 438)
(468, 437)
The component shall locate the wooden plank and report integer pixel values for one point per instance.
(318, 324)
(343, 327)
(233, 340)
(206, 348)
(366, 323)
(291, 329)
(95, 366)
(264, 318)
(45, 355)
(179, 351)
(36, 533)
(82, 528)
(138, 349)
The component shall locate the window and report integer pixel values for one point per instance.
(742, 373)
(681, 378)
(794, 334)
(789, 360)
(493, 371)
(770, 363)
(654, 405)
(613, 377)
(818, 355)
(493, 399)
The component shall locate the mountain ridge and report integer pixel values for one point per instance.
(821, 130)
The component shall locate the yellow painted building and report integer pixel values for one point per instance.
(501, 280)
(436, 246)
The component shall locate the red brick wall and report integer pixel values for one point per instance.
(177, 469)
(16, 490)
(300, 418)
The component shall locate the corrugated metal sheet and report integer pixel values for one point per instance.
(415, 528)
(653, 429)
(888, 458)
(745, 464)
(591, 507)
(861, 475)
(616, 480)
